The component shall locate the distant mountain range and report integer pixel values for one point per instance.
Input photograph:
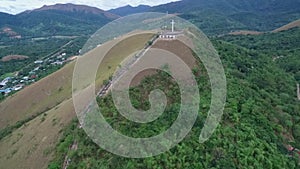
(223, 16)
(213, 17)
(59, 19)
(127, 10)
(72, 8)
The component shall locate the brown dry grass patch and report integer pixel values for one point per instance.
(37, 98)
(13, 57)
(245, 32)
(176, 47)
(57, 87)
(288, 26)
(32, 145)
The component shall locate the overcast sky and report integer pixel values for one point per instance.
(17, 6)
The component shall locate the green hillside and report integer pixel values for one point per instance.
(59, 19)
(261, 117)
(282, 47)
(213, 17)
(53, 22)
(261, 120)
(223, 16)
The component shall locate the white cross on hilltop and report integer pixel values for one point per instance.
(173, 24)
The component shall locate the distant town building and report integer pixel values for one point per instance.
(36, 69)
(2, 85)
(33, 77)
(5, 91)
(26, 78)
(18, 87)
(57, 63)
(38, 62)
(4, 82)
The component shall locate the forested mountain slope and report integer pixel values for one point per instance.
(223, 16)
(59, 19)
(260, 121)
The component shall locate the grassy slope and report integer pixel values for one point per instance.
(177, 48)
(288, 26)
(31, 145)
(37, 98)
(245, 32)
(38, 136)
(13, 57)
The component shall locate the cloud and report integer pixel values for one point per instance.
(17, 6)
(5, 9)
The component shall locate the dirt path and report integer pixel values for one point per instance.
(67, 161)
(126, 65)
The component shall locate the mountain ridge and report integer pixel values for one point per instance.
(217, 17)
(213, 17)
(59, 19)
(128, 9)
(69, 7)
